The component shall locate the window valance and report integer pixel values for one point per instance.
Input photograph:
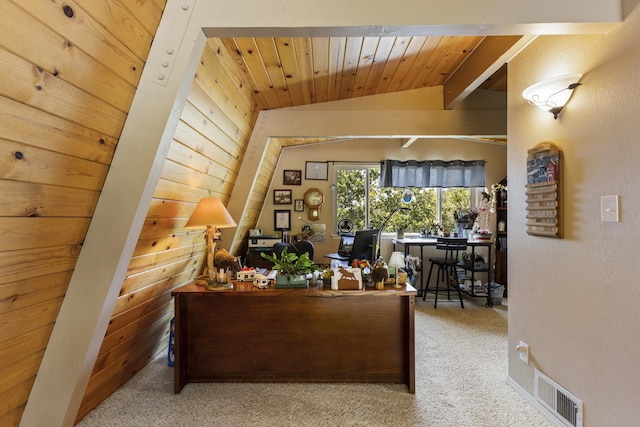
(432, 173)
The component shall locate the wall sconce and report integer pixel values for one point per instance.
(552, 95)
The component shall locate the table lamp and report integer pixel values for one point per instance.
(396, 261)
(211, 214)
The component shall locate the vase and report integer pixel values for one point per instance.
(291, 281)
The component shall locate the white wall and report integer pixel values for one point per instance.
(574, 300)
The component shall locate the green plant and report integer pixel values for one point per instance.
(291, 263)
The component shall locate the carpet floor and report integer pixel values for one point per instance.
(461, 372)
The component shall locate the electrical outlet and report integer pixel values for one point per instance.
(523, 349)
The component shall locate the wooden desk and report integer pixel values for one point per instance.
(294, 335)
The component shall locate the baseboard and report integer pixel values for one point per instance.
(529, 398)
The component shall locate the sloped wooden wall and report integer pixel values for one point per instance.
(69, 72)
(203, 160)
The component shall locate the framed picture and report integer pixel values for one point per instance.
(316, 170)
(281, 197)
(282, 220)
(292, 177)
(298, 205)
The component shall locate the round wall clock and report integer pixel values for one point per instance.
(313, 199)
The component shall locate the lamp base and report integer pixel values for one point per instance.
(212, 285)
(218, 286)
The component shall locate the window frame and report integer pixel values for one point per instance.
(475, 193)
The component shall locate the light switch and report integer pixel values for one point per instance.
(609, 209)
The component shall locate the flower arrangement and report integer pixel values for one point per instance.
(466, 217)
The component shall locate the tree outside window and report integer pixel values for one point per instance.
(360, 199)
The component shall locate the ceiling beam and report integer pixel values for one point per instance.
(486, 59)
(406, 143)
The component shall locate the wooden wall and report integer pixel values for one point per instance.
(69, 72)
(203, 161)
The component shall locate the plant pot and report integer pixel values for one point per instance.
(291, 281)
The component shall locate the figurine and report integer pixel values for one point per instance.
(379, 274)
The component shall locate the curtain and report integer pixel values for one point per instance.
(431, 173)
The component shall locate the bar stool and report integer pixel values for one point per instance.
(446, 268)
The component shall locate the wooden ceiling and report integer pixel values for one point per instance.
(292, 71)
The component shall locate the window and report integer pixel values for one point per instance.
(360, 198)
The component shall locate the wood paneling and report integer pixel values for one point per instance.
(203, 160)
(74, 66)
(284, 72)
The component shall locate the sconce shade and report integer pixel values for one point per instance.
(553, 94)
(210, 211)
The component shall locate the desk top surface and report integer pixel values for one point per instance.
(247, 289)
(431, 241)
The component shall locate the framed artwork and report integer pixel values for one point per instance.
(281, 197)
(292, 177)
(298, 205)
(282, 220)
(316, 170)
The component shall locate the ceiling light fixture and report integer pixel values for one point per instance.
(552, 94)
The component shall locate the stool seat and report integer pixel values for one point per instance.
(446, 268)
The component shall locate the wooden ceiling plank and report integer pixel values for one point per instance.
(237, 63)
(350, 66)
(422, 65)
(458, 50)
(399, 46)
(365, 65)
(337, 46)
(434, 75)
(320, 48)
(406, 63)
(249, 53)
(486, 59)
(269, 54)
(288, 61)
(383, 50)
(304, 58)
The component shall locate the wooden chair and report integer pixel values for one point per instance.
(446, 268)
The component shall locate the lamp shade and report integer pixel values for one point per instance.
(210, 211)
(396, 260)
(552, 95)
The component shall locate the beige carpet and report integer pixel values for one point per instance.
(461, 371)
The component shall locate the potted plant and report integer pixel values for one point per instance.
(292, 268)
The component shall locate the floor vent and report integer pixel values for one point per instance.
(562, 404)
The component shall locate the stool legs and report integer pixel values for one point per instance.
(449, 275)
